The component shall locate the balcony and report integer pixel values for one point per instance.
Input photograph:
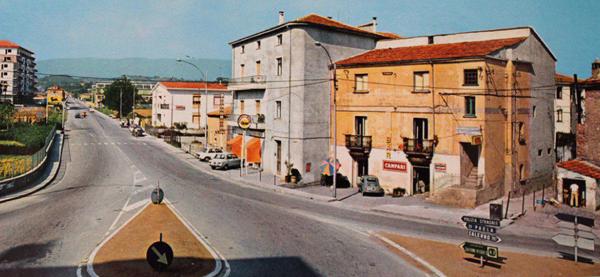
(418, 147)
(248, 82)
(358, 145)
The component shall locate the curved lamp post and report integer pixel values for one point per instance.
(204, 76)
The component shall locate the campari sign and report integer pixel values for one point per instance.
(394, 166)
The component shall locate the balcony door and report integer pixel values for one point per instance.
(360, 128)
(360, 125)
(420, 129)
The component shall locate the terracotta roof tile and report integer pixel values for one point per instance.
(324, 21)
(581, 167)
(193, 85)
(8, 44)
(227, 110)
(561, 78)
(431, 51)
(390, 35)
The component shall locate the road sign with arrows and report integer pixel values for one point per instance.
(482, 250)
(575, 231)
(480, 220)
(159, 255)
(484, 236)
(481, 228)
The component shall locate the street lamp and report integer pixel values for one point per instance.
(332, 69)
(204, 75)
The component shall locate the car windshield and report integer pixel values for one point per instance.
(220, 156)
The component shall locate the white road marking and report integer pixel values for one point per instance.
(135, 205)
(106, 143)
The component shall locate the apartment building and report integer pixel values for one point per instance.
(17, 72)
(280, 78)
(186, 103)
(144, 90)
(565, 118)
(462, 117)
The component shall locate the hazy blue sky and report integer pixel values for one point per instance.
(174, 28)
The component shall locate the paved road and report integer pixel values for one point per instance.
(108, 173)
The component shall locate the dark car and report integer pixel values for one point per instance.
(369, 184)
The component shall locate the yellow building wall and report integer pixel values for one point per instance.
(214, 138)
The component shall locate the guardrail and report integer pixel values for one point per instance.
(23, 165)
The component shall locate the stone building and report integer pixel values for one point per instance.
(280, 77)
(465, 117)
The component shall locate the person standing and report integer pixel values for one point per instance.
(574, 195)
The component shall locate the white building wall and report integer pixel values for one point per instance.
(592, 200)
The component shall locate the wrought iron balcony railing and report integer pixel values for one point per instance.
(358, 143)
(418, 146)
(255, 79)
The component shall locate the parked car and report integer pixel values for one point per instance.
(207, 154)
(137, 132)
(77, 115)
(369, 184)
(225, 161)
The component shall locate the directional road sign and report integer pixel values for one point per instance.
(580, 219)
(483, 250)
(571, 225)
(157, 195)
(566, 240)
(492, 238)
(481, 228)
(581, 234)
(480, 220)
(159, 255)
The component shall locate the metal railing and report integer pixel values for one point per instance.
(358, 142)
(254, 79)
(23, 164)
(418, 146)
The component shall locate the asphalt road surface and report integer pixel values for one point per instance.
(107, 174)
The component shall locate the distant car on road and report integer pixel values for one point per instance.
(208, 153)
(225, 161)
(77, 115)
(369, 184)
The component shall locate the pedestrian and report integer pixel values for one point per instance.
(574, 195)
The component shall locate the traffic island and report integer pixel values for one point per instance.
(126, 252)
(451, 260)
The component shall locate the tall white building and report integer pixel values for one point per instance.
(281, 78)
(17, 72)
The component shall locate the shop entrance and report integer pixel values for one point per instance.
(420, 179)
(574, 192)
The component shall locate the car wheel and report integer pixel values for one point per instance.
(364, 193)
(225, 167)
(213, 167)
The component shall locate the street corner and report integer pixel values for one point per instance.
(457, 260)
(154, 242)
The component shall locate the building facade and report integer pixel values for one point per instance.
(186, 103)
(565, 118)
(280, 78)
(440, 114)
(17, 72)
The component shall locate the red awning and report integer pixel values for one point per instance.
(235, 144)
(253, 150)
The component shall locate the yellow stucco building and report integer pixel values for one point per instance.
(451, 119)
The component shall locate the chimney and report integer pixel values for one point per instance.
(281, 17)
(596, 69)
(374, 22)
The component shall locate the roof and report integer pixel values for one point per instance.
(563, 79)
(319, 21)
(390, 35)
(193, 85)
(8, 44)
(431, 52)
(581, 167)
(226, 111)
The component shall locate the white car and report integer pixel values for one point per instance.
(225, 161)
(208, 153)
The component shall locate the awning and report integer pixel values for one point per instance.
(253, 150)
(235, 144)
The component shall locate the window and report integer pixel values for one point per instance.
(279, 39)
(521, 133)
(421, 81)
(277, 109)
(257, 67)
(558, 92)
(243, 48)
(195, 118)
(361, 83)
(470, 106)
(559, 115)
(196, 100)
(539, 152)
(164, 106)
(549, 151)
(242, 70)
(279, 66)
(533, 110)
(470, 77)
(217, 100)
(241, 106)
(258, 44)
(257, 106)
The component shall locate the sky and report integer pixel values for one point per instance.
(202, 29)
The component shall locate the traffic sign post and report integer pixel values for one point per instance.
(159, 255)
(483, 229)
(480, 220)
(575, 232)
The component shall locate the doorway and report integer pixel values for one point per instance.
(420, 179)
(574, 192)
(362, 167)
(278, 157)
(469, 160)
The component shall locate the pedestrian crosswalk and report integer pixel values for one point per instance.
(106, 143)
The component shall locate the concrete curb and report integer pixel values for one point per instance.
(43, 184)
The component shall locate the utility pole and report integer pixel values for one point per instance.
(121, 102)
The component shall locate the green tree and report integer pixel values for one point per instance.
(120, 90)
(7, 111)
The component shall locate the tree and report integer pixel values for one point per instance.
(7, 111)
(113, 97)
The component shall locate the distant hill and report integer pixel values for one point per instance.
(157, 68)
